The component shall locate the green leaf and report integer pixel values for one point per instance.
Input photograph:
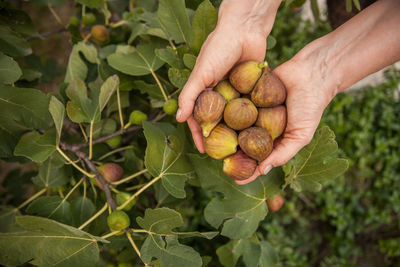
(77, 68)
(52, 174)
(146, 88)
(30, 75)
(169, 56)
(269, 257)
(168, 251)
(52, 207)
(178, 77)
(7, 217)
(82, 209)
(75, 113)
(141, 62)
(204, 22)
(315, 163)
(166, 156)
(107, 90)
(18, 21)
(173, 17)
(242, 207)
(91, 3)
(57, 111)
(189, 60)
(68, 245)
(35, 146)
(9, 70)
(12, 44)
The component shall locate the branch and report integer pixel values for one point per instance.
(46, 34)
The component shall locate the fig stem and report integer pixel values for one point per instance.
(32, 198)
(73, 189)
(124, 180)
(83, 132)
(56, 16)
(91, 140)
(121, 119)
(103, 209)
(129, 236)
(73, 163)
(110, 234)
(115, 151)
(159, 84)
(263, 65)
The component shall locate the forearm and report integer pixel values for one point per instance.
(363, 45)
(248, 15)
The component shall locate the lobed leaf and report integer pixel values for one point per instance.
(37, 147)
(52, 173)
(77, 68)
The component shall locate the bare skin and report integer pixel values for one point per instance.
(363, 45)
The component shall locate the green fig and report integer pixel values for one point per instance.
(273, 120)
(208, 110)
(221, 143)
(275, 203)
(227, 90)
(240, 113)
(256, 142)
(118, 220)
(245, 75)
(239, 166)
(269, 91)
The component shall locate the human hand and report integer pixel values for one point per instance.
(239, 36)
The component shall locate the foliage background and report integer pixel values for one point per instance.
(354, 221)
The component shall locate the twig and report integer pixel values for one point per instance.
(46, 34)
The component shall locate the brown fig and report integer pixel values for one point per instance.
(256, 142)
(239, 166)
(269, 91)
(275, 203)
(272, 119)
(227, 90)
(208, 110)
(240, 113)
(245, 75)
(221, 143)
(100, 33)
(111, 172)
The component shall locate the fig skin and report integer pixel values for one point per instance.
(275, 203)
(100, 33)
(227, 90)
(221, 143)
(239, 166)
(208, 110)
(240, 113)
(269, 91)
(256, 142)
(273, 120)
(111, 172)
(245, 75)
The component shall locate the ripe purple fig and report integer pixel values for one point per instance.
(256, 142)
(269, 91)
(221, 143)
(239, 166)
(245, 75)
(275, 203)
(272, 119)
(240, 113)
(227, 90)
(111, 172)
(208, 110)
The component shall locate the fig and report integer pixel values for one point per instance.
(240, 113)
(88, 18)
(111, 172)
(256, 142)
(170, 107)
(208, 110)
(245, 75)
(239, 166)
(118, 220)
(269, 91)
(221, 143)
(100, 33)
(137, 117)
(272, 119)
(275, 203)
(114, 142)
(227, 90)
(122, 197)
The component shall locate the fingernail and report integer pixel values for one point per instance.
(178, 114)
(267, 169)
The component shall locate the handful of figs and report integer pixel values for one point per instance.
(247, 111)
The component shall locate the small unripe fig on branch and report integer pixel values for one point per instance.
(240, 113)
(239, 166)
(272, 119)
(171, 106)
(208, 110)
(275, 203)
(118, 220)
(137, 117)
(269, 91)
(122, 197)
(221, 142)
(256, 142)
(226, 90)
(245, 75)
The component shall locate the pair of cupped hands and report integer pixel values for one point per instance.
(223, 49)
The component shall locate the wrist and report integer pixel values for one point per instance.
(250, 16)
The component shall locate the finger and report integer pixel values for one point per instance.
(196, 134)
